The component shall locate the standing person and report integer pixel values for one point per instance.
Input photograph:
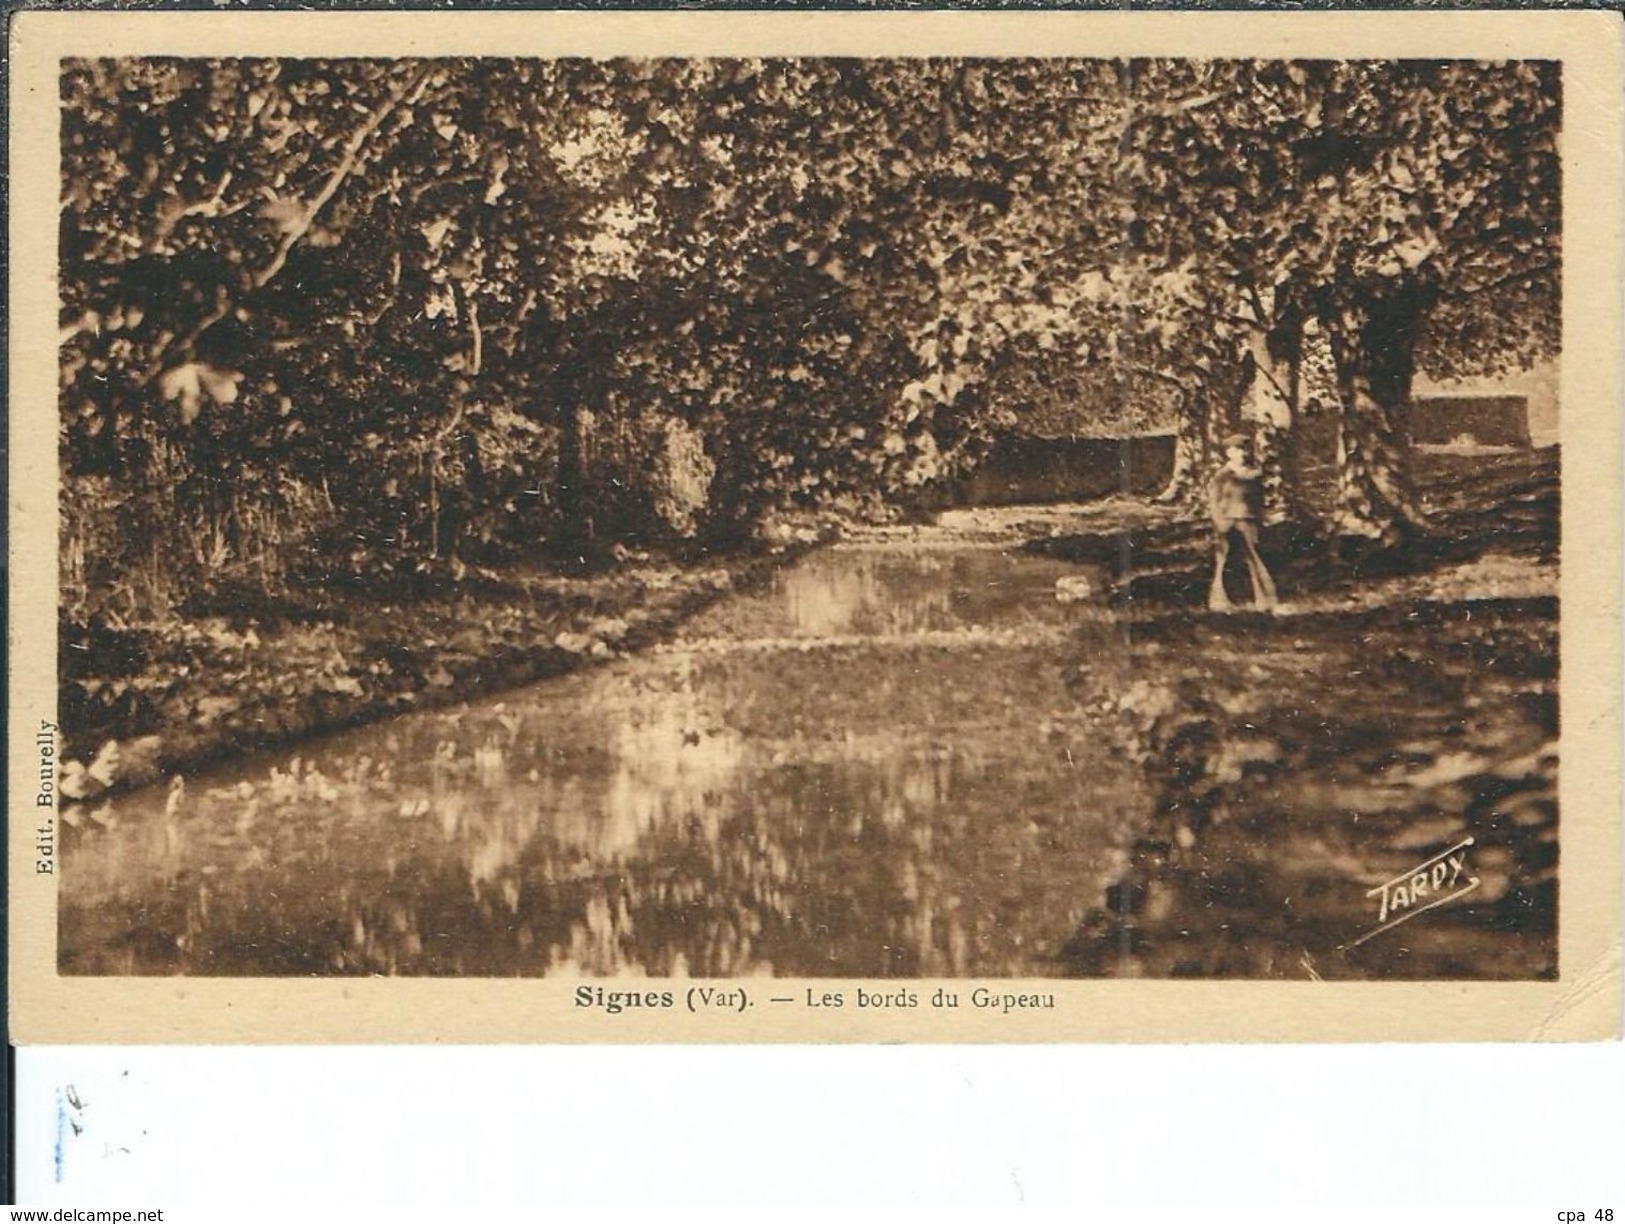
(1235, 499)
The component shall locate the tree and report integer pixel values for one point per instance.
(316, 273)
(1386, 200)
(426, 313)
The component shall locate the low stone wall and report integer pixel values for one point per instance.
(1492, 420)
(1026, 469)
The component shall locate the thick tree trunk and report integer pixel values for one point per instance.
(1374, 497)
(1219, 399)
(1271, 444)
(572, 501)
(1270, 411)
(1190, 452)
(1373, 338)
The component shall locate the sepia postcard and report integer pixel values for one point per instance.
(736, 527)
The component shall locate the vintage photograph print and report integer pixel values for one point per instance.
(762, 543)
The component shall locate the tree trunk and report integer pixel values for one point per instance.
(575, 384)
(1286, 349)
(1268, 408)
(1190, 452)
(1271, 443)
(1294, 441)
(1373, 337)
(1219, 399)
(571, 500)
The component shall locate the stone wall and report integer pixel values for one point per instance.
(1539, 386)
(1491, 420)
(1028, 469)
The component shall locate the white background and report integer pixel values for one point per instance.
(1479, 1133)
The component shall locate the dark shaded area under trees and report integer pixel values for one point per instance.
(1408, 702)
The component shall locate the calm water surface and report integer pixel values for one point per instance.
(871, 767)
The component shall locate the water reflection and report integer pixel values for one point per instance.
(898, 589)
(873, 807)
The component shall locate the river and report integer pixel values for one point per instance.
(872, 766)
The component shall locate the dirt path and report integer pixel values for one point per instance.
(1394, 717)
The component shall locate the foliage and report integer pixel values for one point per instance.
(327, 319)
(1410, 207)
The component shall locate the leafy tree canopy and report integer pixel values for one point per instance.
(407, 313)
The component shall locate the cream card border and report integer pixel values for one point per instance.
(1583, 1004)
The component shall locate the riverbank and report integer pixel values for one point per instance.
(141, 702)
(1397, 708)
